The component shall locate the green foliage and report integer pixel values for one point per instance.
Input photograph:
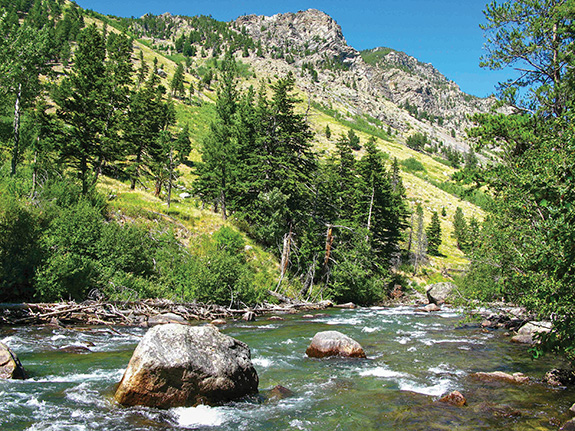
(526, 252)
(417, 141)
(413, 165)
(434, 235)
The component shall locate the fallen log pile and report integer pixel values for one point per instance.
(137, 313)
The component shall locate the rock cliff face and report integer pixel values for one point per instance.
(382, 83)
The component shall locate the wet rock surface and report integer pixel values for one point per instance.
(334, 343)
(177, 365)
(10, 366)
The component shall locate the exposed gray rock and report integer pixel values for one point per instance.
(500, 376)
(185, 195)
(430, 307)
(334, 343)
(10, 366)
(572, 410)
(439, 293)
(527, 333)
(180, 365)
(568, 426)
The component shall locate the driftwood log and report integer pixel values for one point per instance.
(132, 313)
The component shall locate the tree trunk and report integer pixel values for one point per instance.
(328, 243)
(170, 173)
(370, 212)
(16, 149)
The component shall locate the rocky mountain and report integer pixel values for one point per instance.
(381, 83)
(382, 86)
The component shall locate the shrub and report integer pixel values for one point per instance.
(413, 165)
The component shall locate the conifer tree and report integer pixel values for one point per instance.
(217, 173)
(177, 83)
(82, 107)
(434, 235)
(460, 230)
(420, 243)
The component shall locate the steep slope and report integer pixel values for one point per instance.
(381, 83)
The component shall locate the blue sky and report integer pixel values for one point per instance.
(444, 33)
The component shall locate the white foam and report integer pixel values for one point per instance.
(288, 341)
(445, 369)
(383, 372)
(262, 362)
(200, 416)
(82, 377)
(368, 329)
(440, 388)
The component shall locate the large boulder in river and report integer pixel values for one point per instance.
(528, 333)
(334, 343)
(178, 365)
(10, 366)
(439, 293)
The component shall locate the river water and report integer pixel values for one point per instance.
(413, 359)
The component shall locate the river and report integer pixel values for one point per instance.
(413, 359)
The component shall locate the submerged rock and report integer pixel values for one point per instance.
(568, 426)
(10, 366)
(500, 376)
(278, 393)
(527, 333)
(178, 365)
(454, 398)
(334, 343)
(439, 293)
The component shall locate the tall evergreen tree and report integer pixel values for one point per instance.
(434, 235)
(217, 173)
(177, 83)
(83, 108)
(460, 230)
(24, 51)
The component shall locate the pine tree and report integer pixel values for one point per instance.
(83, 109)
(460, 230)
(420, 246)
(177, 83)
(434, 235)
(217, 173)
(327, 132)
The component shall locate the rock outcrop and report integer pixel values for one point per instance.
(527, 334)
(10, 366)
(440, 293)
(334, 343)
(178, 365)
